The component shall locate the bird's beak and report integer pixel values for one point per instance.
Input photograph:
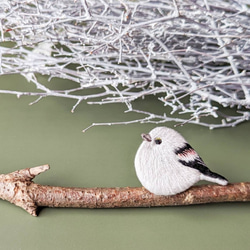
(146, 137)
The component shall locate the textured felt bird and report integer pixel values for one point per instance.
(166, 164)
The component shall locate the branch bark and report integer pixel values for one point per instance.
(18, 188)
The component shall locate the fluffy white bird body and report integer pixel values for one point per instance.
(166, 164)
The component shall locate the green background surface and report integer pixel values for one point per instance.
(48, 132)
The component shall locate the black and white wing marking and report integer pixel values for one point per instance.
(188, 157)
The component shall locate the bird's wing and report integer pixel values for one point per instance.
(188, 157)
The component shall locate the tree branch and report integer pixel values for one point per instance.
(18, 188)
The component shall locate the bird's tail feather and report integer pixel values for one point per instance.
(213, 177)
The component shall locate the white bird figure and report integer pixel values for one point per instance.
(166, 164)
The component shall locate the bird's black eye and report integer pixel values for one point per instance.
(158, 141)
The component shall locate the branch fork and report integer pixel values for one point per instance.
(14, 187)
(18, 188)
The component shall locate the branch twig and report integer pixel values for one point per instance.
(125, 51)
(18, 188)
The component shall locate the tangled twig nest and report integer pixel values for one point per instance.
(192, 55)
